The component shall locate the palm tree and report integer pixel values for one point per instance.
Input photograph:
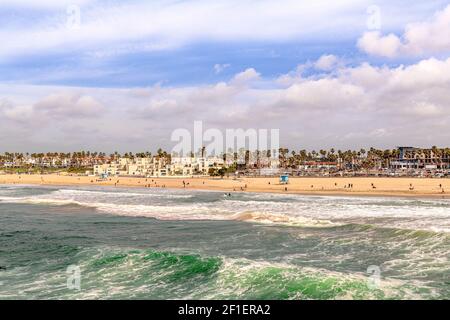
(322, 153)
(362, 151)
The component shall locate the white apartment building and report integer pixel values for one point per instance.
(194, 165)
(148, 167)
(157, 167)
(110, 169)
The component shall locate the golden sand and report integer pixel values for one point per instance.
(416, 187)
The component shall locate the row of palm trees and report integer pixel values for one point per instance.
(333, 155)
(365, 158)
(287, 158)
(11, 156)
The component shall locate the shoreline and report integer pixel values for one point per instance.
(320, 186)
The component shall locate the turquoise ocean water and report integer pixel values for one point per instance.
(177, 244)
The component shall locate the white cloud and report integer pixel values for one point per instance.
(425, 109)
(375, 44)
(218, 68)
(379, 133)
(60, 106)
(117, 27)
(20, 113)
(429, 37)
(43, 4)
(66, 105)
(355, 106)
(248, 75)
(326, 62)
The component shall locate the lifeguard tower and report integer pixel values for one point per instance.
(284, 178)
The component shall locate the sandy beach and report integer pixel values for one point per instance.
(410, 187)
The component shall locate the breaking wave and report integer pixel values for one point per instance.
(423, 214)
(148, 274)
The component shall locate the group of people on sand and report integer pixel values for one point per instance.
(155, 184)
(348, 186)
(241, 188)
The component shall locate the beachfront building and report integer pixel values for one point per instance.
(318, 165)
(181, 167)
(144, 167)
(264, 166)
(417, 158)
(322, 168)
(126, 167)
(110, 169)
(159, 166)
(187, 166)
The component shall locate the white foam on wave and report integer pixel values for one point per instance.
(415, 214)
(112, 193)
(49, 201)
(200, 212)
(265, 217)
(235, 275)
(176, 212)
(432, 215)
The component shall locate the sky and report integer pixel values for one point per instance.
(111, 75)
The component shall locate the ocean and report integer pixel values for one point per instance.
(71, 242)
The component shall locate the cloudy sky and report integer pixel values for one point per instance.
(112, 75)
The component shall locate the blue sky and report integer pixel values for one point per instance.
(124, 61)
(177, 50)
